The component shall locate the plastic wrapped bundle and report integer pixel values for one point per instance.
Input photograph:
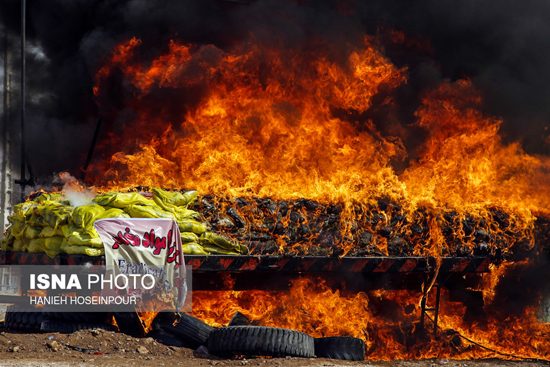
(221, 245)
(49, 224)
(56, 214)
(121, 200)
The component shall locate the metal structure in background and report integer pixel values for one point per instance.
(91, 150)
(6, 177)
(423, 305)
(23, 181)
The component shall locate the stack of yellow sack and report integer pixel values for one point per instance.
(50, 224)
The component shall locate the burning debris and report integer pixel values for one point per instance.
(308, 228)
(263, 226)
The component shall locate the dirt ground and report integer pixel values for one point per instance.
(105, 348)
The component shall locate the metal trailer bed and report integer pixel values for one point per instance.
(434, 272)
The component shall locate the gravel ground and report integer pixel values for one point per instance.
(117, 349)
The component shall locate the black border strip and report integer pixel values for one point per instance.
(279, 263)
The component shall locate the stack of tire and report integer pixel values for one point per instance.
(184, 330)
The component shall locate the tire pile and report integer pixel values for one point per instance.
(183, 330)
(245, 340)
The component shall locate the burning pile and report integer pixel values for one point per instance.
(287, 148)
(309, 228)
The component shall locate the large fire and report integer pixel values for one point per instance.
(289, 123)
(263, 121)
(388, 321)
(257, 120)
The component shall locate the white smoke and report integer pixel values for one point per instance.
(74, 190)
(79, 198)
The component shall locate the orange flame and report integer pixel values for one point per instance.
(388, 321)
(289, 124)
(247, 135)
(257, 120)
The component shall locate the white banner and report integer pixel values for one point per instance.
(149, 251)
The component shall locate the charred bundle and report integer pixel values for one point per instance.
(309, 228)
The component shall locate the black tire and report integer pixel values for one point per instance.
(23, 318)
(340, 347)
(239, 319)
(164, 319)
(190, 329)
(168, 339)
(260, 341)
(54, 326)
(50, 313)
(129, 323)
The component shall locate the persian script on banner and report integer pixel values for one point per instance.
(148, 251)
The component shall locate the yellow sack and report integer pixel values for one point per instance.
(84, 216)
(33, 232)
(113, 213)
(121, 200)
(175, 198)
(16, 218)
(81, 250)
(187, 237)
(183, 214)
(17, 245)
(56, 214)
(7, 243)
(85, 239)
(209, 238)
(18, 229)
(55, 197)
(90, 229)
(36, 245)
(213, 249)
(164, 200)
(25, 209)
(147, 211)
(36, 220)
(21, 244)
(47, 232)
(192, 226)
(50, 232)
(68, 230)
(193, 249)
(189, 197)
(105, 199)
(53, 245)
